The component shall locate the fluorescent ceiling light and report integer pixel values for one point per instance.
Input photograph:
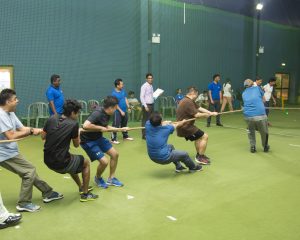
(259, 6)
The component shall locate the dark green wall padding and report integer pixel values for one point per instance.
(91, 43)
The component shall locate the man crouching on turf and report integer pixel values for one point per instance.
(58, 133)
(159, 151)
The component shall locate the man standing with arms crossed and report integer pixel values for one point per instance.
(147, 101)
(120, 117)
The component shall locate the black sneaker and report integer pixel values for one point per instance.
(90, 188)
(266, 148)
(52, 197)
(88, 197)
(179, 169)
(219, 124)
(253, 149)
(11, 220)
(197, 168)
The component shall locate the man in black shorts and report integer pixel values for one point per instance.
(96, 146)
(188, 109)
(58, 132)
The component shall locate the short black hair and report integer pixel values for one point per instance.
(155, 119)
(54, 77)
(148, 75)
(216, 75)
(110, 101)
(258, 78)
(130, 92)
(192, 89)
(272, 79)
(5, 95)
(70, 106)
(117, 82)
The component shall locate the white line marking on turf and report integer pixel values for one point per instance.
(172, 218)
(129, 197)
(294, 145)
(67, 177)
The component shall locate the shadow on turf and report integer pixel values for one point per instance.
(167, 173)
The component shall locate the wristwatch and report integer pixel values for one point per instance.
(31, 131)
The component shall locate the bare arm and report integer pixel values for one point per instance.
(210, 97)
(90, 126)
(51, 104)
(21, 132)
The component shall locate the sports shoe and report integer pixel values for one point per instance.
(11, 220)
(267, 148)
(128, 139)
(202, 160)
(90, 188)
(253, 149)
(52, 197)
(180, 169)
(29, 207)
(100, 182)
(204, 156)
(197, 168)
(88, 197)
(115, 182)
(115, 142)
(219, 124)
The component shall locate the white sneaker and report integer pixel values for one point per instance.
(115, 142)
(128, 138)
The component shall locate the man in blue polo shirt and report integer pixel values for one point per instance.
(159, 151)
(215, 99)
(255, 115)
(120, 117)
(55, 96)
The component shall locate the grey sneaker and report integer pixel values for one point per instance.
(52, 197)
(28, 207)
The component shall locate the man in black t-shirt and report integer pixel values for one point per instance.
(58, 133)
(95, 145)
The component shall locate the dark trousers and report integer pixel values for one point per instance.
(146, 116)
(267, 104)
(216, 107)
(119, 121)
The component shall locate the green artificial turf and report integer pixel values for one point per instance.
(239, 196)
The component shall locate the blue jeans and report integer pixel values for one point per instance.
(177, 156)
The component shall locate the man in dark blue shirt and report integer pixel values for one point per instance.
(255, 115)
(159, 151)
(120, 117)
(215, 99)
(55, 96)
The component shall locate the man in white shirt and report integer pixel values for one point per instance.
(268, 89)
(147, 101)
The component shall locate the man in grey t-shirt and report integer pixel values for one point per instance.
(11, 129)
